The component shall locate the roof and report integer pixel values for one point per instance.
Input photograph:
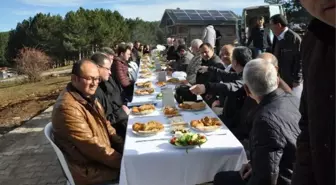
(199, 17)
(261, 6)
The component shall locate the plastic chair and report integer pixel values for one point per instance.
(64, 165)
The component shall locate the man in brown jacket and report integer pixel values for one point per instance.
(315, 161)
(89, 143)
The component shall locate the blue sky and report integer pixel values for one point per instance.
(14, 11)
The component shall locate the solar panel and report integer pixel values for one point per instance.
(180, 14)
(178, 11)
(190, 11)
(220, 18)
(202, 11)
(183, 18)
(195, 17)
(207, 18)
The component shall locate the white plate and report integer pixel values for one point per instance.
(145, 134)
(209, 130)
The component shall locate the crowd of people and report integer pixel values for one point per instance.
(288, 142)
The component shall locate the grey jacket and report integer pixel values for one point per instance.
(192, 69)
(182, 64)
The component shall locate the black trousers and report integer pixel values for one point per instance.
(229, 178)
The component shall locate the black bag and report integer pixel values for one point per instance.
(182, 93)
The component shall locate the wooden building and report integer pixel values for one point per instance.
(189, 24)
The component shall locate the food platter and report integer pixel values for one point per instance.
(174, 81)
(188, 140)
(146, 84)
(192, 106)
(206, 124)
(170, 111)
(161, 84)
(149, 128)
(143, 92)
(143, 109)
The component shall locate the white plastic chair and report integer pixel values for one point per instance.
(64, 165)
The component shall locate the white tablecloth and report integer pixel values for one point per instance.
(157, 162)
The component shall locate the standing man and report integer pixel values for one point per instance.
(209, 35)
(287, 50)
(315, 162)
(261, 40)
(217, 43)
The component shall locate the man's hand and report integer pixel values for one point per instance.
(245, 171)
(197, 89)
(203, 69)
(126, 109)
(215, 104)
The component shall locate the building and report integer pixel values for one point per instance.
(189, 24)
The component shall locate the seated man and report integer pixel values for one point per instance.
(231, 87)
(274, 130)
(195, 62)
(89, 143)
(184, 59)
(115, 111)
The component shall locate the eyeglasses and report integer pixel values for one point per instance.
(91, 79)
(109, 69)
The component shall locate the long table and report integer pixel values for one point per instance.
(154, 161)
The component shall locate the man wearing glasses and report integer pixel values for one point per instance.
(90, 145)
(109, 95)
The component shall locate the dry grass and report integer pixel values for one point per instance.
(60, 68)
(13, 92)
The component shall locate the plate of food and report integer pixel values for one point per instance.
(187, 140)
(170, 111)
(149, 128)
(142, 92)
(159, 96)
(177, 121)
(161, 84)
(192, 106)
(143, 71)
(206, 124)
(174, 81)
(146, 75)
(143, 109)
(146, 84)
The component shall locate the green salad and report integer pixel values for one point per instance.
(159, 96)
(188, 139)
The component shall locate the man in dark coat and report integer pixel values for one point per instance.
(261, 40)
(274, 131)
(231, 86)
(209, 58)
(315, 164)
(109, 97)
(286, 47)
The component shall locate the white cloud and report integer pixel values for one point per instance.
(154, 11)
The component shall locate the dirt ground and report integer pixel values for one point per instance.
(19, 102)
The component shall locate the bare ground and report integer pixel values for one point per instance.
(20, 102)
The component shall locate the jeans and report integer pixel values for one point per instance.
(229, 178)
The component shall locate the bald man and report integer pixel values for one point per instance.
(92, 149)
(269, 57)
(226, 56)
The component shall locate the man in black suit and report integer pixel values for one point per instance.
(286, 47)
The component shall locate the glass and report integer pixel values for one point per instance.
(109, 69)
(90, 79)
